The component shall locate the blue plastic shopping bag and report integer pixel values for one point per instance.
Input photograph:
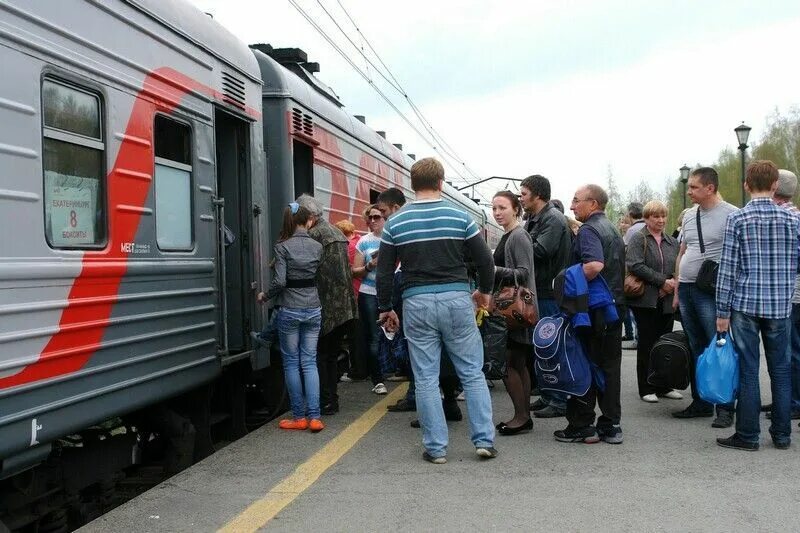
(717, 373)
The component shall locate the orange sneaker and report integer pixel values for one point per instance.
(300, 423)
(316, 425)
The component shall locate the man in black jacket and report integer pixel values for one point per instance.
(552, 241)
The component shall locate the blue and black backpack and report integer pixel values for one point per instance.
(560, 359)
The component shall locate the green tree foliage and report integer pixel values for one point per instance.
(780, 143)
(615, 209)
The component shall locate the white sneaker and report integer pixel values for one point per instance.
(345, 378)
(674, 395)
(380, 388)
(650, 398)
(460, 396)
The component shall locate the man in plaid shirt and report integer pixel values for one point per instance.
(756, 280)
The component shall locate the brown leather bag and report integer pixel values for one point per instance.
(517, 305)
(633, 286)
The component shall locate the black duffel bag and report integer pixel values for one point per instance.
(669, 361)
(707, 276)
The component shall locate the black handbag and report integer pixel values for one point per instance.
(707, 276)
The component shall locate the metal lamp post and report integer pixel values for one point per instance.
(742, 133)
(684, 178)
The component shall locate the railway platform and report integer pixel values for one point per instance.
(364, 472)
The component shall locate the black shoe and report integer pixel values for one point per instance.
(795, 415)
(538, 404)
(435, 460)
(781, 444)
(486, 452)
(330, 409)
(627, 338)
(611, 434)
(549, 412)
(767, 407)
(738, 444)
(587, 434)
(508, 430)
(535, 391)
(402, 406)
(724, 419)
(415, 423)
(693, 412)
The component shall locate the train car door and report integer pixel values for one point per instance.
(232, 151)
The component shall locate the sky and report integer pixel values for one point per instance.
(568, 89)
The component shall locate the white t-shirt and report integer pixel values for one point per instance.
(368, 246)
(712, 222)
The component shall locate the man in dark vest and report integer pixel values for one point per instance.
(599, 248)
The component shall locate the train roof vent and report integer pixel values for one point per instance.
(302, 123)
(233, 90)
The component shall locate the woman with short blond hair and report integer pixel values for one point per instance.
(650, 256)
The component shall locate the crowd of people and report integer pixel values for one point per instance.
(403, 298)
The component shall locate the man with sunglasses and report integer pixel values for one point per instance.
(599, 248)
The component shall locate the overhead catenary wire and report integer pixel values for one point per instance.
(395, 83)
(435, 138)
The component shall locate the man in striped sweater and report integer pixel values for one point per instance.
(429, 237)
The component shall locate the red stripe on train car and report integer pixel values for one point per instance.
(102, 272)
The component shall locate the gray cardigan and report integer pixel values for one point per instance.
(644, 261)
(519, 259)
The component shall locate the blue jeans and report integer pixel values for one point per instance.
(368, 315)
(699, 321)
(794, 349)
(447, 320)
(299, 332)
(557, 400)
(775, 333)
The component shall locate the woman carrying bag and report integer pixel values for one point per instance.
(650, 256)
(513, 259)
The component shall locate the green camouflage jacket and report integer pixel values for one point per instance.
(334, 280)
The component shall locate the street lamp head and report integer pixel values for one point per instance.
(684, 173)
(742, 133)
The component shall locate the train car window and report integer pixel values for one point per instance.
(73, 163)
(303, 162)
(173, 185)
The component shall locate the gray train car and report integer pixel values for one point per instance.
(314, 146)
(129, 132)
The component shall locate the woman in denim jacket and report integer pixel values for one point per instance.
(294, 290)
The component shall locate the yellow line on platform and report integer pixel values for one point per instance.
(306, 474)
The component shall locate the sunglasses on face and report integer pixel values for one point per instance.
(375, 217)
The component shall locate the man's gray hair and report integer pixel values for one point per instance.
(312, 204)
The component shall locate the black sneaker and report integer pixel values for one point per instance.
(402, 406)
(486, 452)
(693, 412)
(737, 444)
(781, 444)
(586, 434)
(549, 412)
(538, 404)
(435, 460)
(611, 434)
(724, 419)
(330, 409)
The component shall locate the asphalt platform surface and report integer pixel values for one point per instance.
(668, 475)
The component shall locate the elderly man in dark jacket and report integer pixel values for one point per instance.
(335, 288)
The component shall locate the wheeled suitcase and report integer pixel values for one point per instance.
(669, 361)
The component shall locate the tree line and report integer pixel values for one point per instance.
(780, 143)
